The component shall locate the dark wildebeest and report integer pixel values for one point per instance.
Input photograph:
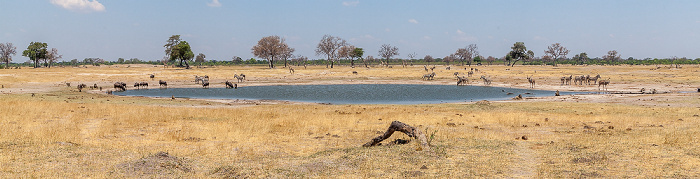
(205, 84)
(120, 86)
(163, 83)
(137, 85)
(144, 84)
(152, 76)
(81, 86)
(228, 84)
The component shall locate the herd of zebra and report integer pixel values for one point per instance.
(203, 80)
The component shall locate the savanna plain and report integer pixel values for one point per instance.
(51, 130)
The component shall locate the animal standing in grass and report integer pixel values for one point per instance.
(487, 80)
(604, 83)
(594, 79)
(120, 86)
(205, 84)
(163, 83)
(239, 78)
(430, 76)
(462, 80)
(531, 81)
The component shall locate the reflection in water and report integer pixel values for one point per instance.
(351, 93)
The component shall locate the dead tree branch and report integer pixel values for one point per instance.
(401, 127)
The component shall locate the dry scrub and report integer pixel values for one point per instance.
(60, 132)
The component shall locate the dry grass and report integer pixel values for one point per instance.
(63, 133)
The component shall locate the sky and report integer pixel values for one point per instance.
(222, 29)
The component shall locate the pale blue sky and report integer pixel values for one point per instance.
(111, 29)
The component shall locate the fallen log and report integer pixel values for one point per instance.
(406, 129)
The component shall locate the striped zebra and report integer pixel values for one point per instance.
(487, 80)
(462, 80)
(604, 83)
(594, 79)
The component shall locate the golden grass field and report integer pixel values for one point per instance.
(50, 130)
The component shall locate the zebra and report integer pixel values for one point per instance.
(228, 84)
(198, 79)
(205, 84)
(291, 70)
(604, 83)
(487, 80)
(163, 83)
(429, 76)
(594, 79)
(426, 68)
(578, 80)
(532, 81)
(470, 73)
(239, 78)
(242, 75)
(432, 68)
(447, 68)
(568, 80)
(563, 81)
(462, 80)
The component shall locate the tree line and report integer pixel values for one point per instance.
(273, 50)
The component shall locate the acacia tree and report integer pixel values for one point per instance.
(556, 51)
(182, 52)
(518, 52)
(52, 56)
(170, 44)
(200, 58)
(387, 51)
(7, 50)
(356, 53)
(329, 46)
(428, 59)
(612, 56)
(270, 47)
(35, 51)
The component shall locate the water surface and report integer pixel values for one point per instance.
(351, 93)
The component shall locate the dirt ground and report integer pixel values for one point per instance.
(51, 130)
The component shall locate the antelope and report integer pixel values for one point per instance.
(163, 83)
(462, 80)
(487, 80)
(532, 81)
(604, 83)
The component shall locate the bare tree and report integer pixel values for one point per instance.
(428, 59)
(448, 59)
(300, 60)
(467, 54)
(490, 60)
(410, 57)
(7, 50)
(329, 46)
(287, 54)
(387, 51)
(556, 51)
(52, 56)
(270, 47)
(612, 56)
(369, 60)
(345, 51)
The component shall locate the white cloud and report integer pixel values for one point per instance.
(350, 3)
(427, 37)
(459, 32)
(80, 5)
(214, 3)
(413, 21)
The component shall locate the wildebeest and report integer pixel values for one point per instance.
(205, 84)
(163, 83)
(152, 76)
(228, 84)
(81, 86)
(143, 84)
(354, 72)
(120, 86)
